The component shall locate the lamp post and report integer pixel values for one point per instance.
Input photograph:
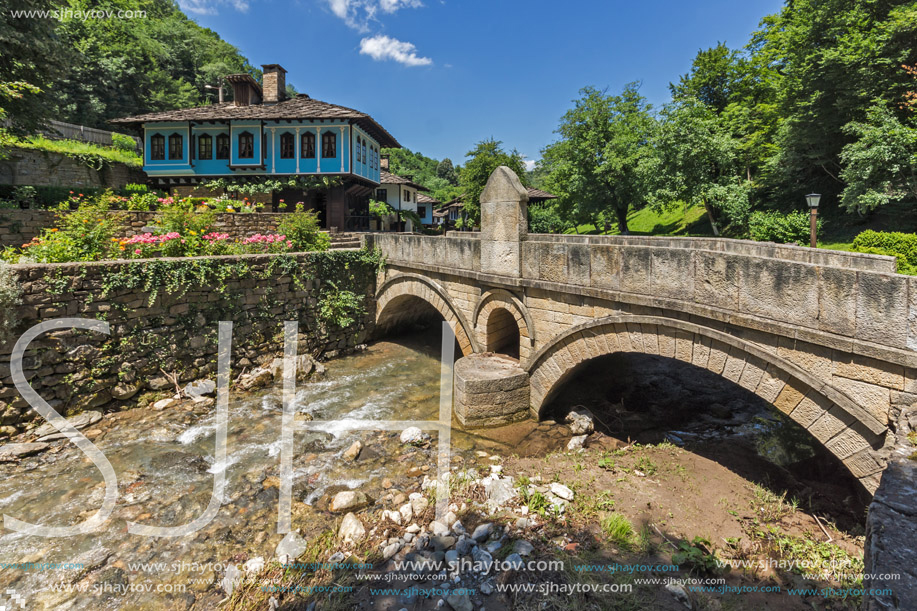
(812, 199)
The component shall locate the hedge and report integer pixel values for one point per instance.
(902, 246)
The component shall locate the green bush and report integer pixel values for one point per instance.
(123, 143)
(141, 201)
(190, 223)
(902, 246)
(50, 197)
(9, 299)
(303, 230)
(339, 308)
(781, 228)
(84, 234)
(134, 189)
(545, 219)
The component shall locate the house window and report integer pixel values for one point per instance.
(407, 196)
(375, 159)
(329, 146)
(307, 146)
(222, 146)
(205, 147)
(157, 147)
(287, 146)
(176, 147)
(364, 151)
(422, 211)
(246, 145)
(382, 195)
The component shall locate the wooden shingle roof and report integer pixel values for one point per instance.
(387, 178)
(302, 107)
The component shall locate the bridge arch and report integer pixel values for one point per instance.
(396, 301)
(850, 432)
(499, 308)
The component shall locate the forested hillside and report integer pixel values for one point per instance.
(90, 70)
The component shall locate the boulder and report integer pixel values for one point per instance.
(412, 435)
(353, 452)
(19, 450)
(80, 421)
(580, 421)
(352, 530)
(561, 491)
(577, 443)
(349, 500)
(200, 388)
(257, 378)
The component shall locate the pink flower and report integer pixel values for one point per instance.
(137, 252)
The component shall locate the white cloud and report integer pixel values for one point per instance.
(381, 47)
(209, 7)
(529, 165)
(357, 14)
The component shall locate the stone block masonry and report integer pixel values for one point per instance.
(44, 168)
(164, 316)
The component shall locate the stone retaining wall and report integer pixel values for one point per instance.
(44, 168)
(164, 315)
(19, 226)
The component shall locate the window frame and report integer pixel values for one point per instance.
(250, 138)
(222, 140)
(205, 145)
(307, 146)
(176, 137)
(291, 142)
(329, 142)
(157, 153)
(382, 195)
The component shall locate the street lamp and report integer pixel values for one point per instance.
(812, 199)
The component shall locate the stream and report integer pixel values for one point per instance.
(165, 466)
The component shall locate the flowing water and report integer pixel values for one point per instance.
(165, 466)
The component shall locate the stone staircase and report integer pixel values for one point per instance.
(345, 240)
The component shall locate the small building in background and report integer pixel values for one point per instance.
(400, 192)
(453, 211)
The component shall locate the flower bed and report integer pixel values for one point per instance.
(184, 228)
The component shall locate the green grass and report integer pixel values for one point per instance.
(618, 529)
(74, 148)
(680, 220)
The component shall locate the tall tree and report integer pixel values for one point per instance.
(483, 159)
(698, 160)
(601, 163)
(446, 171)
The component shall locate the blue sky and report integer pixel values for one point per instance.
(441, 75)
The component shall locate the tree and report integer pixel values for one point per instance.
(880, 166)
(601, 163)
(698, 160)
(486, 157)
(446, 171)
(32, 58)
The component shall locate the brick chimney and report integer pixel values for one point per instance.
(274, 83)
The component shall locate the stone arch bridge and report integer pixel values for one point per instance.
(826, 337)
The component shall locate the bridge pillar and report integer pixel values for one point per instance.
(490, 390)
(504, 223)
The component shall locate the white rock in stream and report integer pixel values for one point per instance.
(231, 579)
(412, 434)
(290, 548)
(254, 565)
(347, 500)
(47, 431)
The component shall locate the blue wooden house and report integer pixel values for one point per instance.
(263, 133)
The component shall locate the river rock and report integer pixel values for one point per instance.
(407, 512)
(352, 530)
(231, 579)
(561, 491)
(290, 547)
(580, 421)
(348, 500)
(577, 443)
(257, 378)
(460, 602)
(166, 403)
(390, 550)
(353, 452)
(254, 565)
(680, 593)
(483, 559)
(499, 491)
(125, 391)
(200, 388)
(411, 435)
(482, 532)
(80, 421)
(523, 548)
(394, 516)
(514, 562)
(18, 450)
(438, 528)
